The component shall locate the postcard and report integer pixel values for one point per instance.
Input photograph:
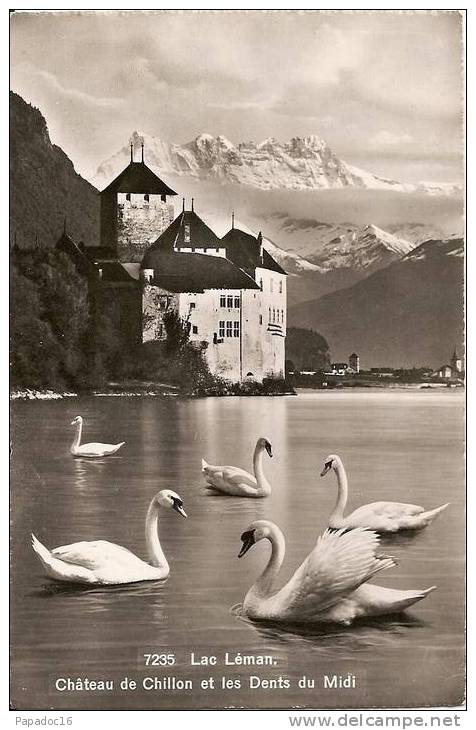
(237, 360)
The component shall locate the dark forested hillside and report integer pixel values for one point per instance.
(44, 187)
(408, 314)
(306, 349)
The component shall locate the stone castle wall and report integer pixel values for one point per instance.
(139, 223)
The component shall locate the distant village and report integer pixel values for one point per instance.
(341, 373)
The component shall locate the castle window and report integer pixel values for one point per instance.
(274, 315)
(237, 302)
(223, 301)
(236, 329)
(146, 197)
(128, 196)
(261, 319)
(229, 302)
(271, 285)
(186, 235)
(269, 314)
(195, 329)
(221, 328)
(261, 284)
(281, 286)
(192, 305)
(282, 315)
(229, 329)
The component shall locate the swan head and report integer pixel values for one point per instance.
(258, 530)
(76, 420)
(265, 444)
(331, 462)
(171, 500)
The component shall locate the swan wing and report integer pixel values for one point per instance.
(340, 563)
(97, 449)
(95, 555)
(235, 475)
(388, 510)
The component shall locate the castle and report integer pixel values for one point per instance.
(229, 291)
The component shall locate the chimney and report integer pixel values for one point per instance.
(260, 241)
(183, 205)
(142, 149)
(132, 151)
(192, 205)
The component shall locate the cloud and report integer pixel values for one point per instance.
(75, 95)
(384, 139)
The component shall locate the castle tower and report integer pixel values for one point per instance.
(135, 209)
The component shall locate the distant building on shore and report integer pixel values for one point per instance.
(453, 371)
(354, 362)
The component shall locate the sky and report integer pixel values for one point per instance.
(384, 88)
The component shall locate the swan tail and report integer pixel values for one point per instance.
(412, 597)
(429, 516)
(42, 552)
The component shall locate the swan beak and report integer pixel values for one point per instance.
(248, 540)
(178, 508)
(269, 449)
(327, 467)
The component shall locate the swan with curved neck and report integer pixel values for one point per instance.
(103, 563)
(378, 516)
(329, 586)
(238, 482)
(92, 450)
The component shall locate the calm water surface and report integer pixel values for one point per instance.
(404, 446)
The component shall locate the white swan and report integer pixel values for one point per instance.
(328, 586)
(103, 563)
(93, 450)
(238, 482)
(378, 516)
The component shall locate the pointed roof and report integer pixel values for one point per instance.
(245, 251)
(180, 271)
(201, 236)
(138, 178)
(77, 255)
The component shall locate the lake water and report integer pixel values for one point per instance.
(403, 446)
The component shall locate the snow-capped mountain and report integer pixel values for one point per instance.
(303, 163)
(364, 249)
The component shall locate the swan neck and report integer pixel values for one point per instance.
(266, 582)
(154, 548)
(342, 491)
(77, 438)
(263, 485)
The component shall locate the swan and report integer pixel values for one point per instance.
(238, 482)
(93, 450)
(328, 586)
(378, 516)
(103, 563)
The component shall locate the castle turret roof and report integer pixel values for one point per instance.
(245, 251)
(138, 178)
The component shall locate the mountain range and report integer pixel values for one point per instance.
(303, 163)
(408, 313)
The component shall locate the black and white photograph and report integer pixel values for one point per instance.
(237, 360)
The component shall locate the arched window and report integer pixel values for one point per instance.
(146, 197)
(128, 196)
